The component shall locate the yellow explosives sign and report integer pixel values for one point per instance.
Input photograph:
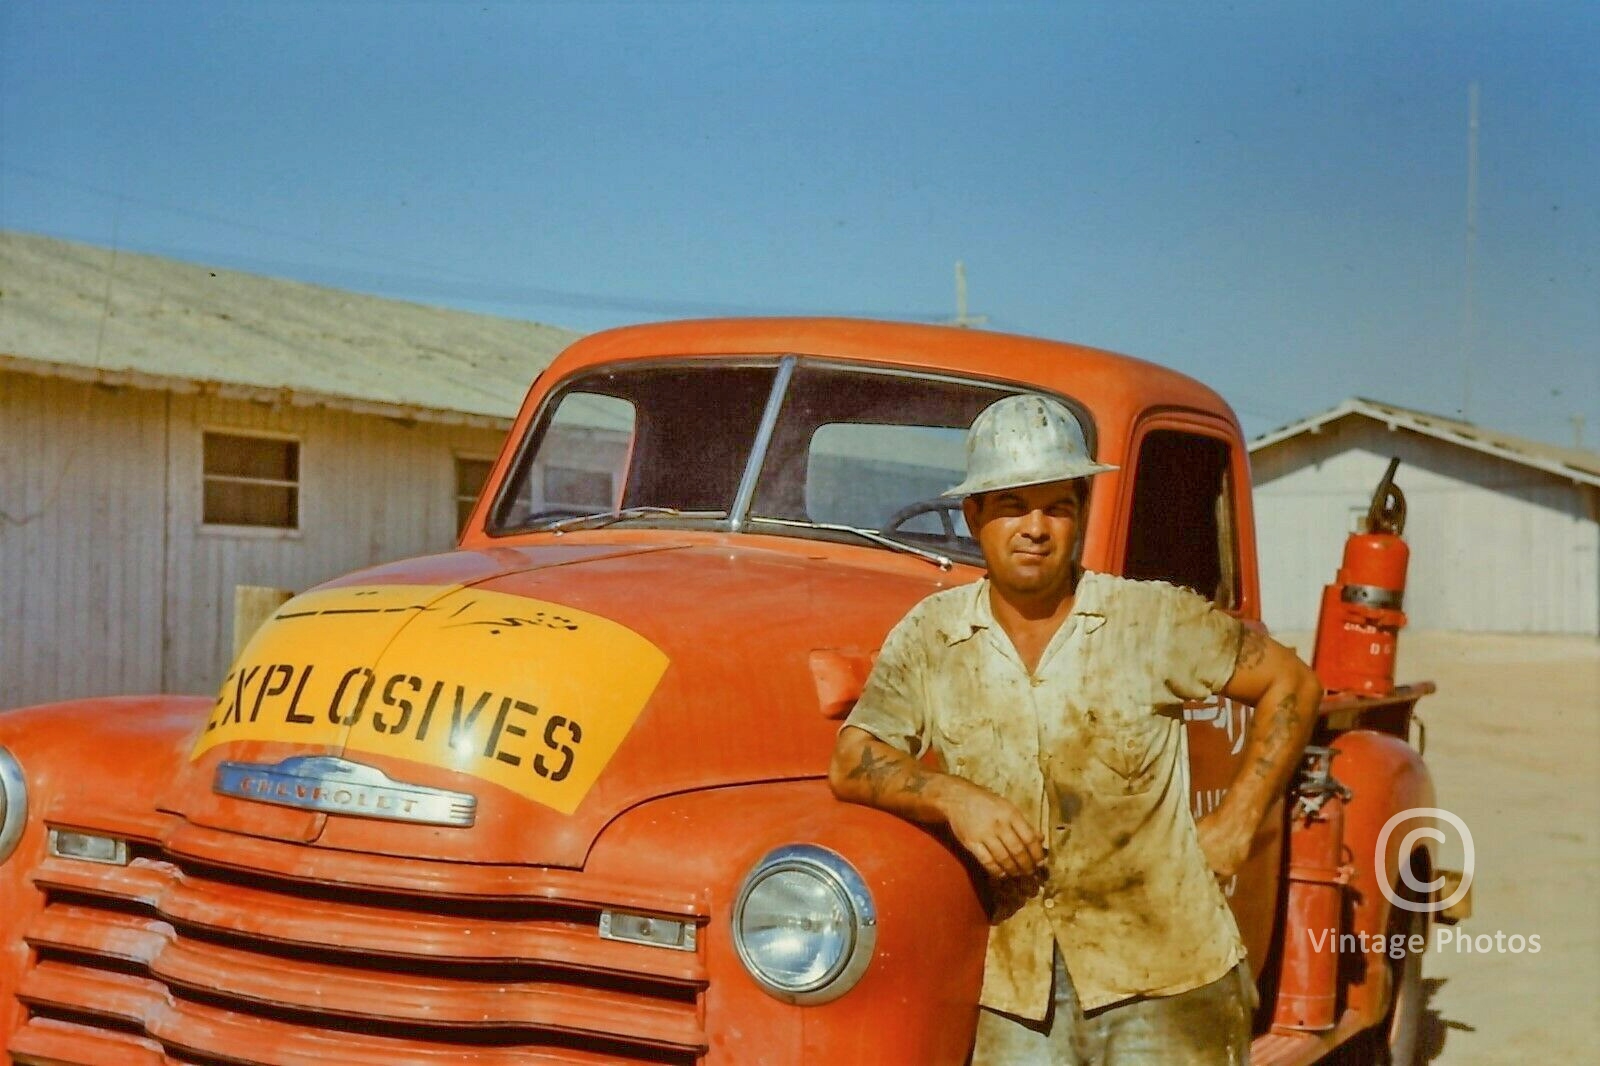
(528, 694)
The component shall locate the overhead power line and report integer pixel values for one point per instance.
(434, 283)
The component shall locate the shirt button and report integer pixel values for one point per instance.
(1050, 904)
(1035, 681)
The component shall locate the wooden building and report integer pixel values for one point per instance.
(169, 432)
(1504, 532)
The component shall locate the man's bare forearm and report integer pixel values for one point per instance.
(868, 771)
(1286, 712)
(865, 770)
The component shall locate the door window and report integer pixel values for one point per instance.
(1182, 526)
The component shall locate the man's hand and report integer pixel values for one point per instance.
(1225, 842)
(992, 829)
(866, 770)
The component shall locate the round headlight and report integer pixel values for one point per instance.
(13, 804)
(804, 924)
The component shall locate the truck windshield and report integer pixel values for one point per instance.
(802, 441)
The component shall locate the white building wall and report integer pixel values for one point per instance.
(110, 583)
(371, 490)
(1495, 545)
(80, 539)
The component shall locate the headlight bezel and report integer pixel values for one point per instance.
(848, 887)
(13, 803)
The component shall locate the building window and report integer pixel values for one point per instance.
(251, 481)
(579, 489)
(470, 476)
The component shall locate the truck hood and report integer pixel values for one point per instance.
(505, 705)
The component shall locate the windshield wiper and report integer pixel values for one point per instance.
(941, 561)
(606, 518)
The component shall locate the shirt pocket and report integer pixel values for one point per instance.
(967, 745)
(1129, 749)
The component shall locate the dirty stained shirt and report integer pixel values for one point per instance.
(1091, 746)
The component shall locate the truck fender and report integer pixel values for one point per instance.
(916, 1002)
(1386, 776)
(106, 755)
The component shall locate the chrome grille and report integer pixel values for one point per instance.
(175, 960)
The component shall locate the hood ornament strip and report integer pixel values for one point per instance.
(332, 785)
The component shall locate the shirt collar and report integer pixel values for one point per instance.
(976, 614)
(1089, 607)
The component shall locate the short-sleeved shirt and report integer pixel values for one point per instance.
(1090, 745)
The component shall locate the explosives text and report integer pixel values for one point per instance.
(530, 695)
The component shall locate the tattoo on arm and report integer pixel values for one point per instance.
(878, 773)
(872, 769)
(1284, 726)
(1252, 650)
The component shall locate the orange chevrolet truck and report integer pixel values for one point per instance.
(558, 796)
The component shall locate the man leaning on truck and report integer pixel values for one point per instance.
(1051, 696)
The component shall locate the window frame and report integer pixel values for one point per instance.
(456, 459)
(1238, 518)
(538, 425)
(298, 484)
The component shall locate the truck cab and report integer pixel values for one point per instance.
(559, 795)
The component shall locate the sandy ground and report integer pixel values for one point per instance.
(1513, 738)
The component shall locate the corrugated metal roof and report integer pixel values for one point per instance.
(73, 310)
(1577, 464)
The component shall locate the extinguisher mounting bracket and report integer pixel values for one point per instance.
(1316, 782)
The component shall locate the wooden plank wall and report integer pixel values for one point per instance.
(109, 582)
(81, 504)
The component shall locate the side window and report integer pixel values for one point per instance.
(1182, 526)
(250, 481)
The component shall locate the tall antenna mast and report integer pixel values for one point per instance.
(1469, 311)
(962, 318)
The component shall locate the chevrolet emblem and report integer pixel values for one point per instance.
(338, 786)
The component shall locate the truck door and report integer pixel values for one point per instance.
(1187, 522)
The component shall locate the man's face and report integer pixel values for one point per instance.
(1028, 535)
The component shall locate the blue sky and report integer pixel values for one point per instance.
(1272, 197)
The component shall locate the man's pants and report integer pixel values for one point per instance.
(1206, 1026)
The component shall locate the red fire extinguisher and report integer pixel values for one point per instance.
(1308, 990)
(1361, 614)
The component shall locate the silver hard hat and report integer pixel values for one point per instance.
(1026, 439)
